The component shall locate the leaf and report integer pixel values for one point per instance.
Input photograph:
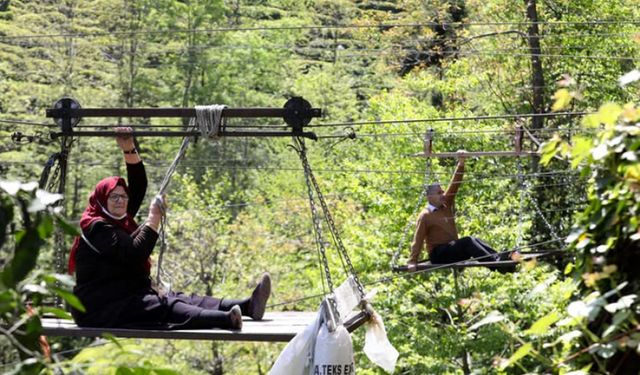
(13, 187)
(623, 303)
(48, 198)
(131, 371)
(70, 298)
(35, 288)
(609, 114)
(24, 258)
(66, 227)
(578, 309)
(57, 312)
(113, 339)
(549, 149)
(591, 121)
(164, 372)
(6, 216)
(518, 355)
(605, 350)
(600, 152)
(493, 317)
(568, 268)
(45, 227)
(632, 172)
(630, 77)
(581, 150)
(542, 325)
(64, 279)
(561, 98)
(569, 336)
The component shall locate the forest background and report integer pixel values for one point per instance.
(387, 71)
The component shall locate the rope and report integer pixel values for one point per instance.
(209, 120)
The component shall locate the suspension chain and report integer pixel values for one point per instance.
(521, 187)
(327, 214)
(314, 214)
(544, 219)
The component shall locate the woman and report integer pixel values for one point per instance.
(112, 266)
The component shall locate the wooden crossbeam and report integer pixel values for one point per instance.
(516, 152)
(476, 153)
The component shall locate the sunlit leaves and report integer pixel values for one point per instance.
(580, 150)
(523, 351)
(493, 317)
(541, 326)
(561, 98)
(549, 149)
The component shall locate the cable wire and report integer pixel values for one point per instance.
(318, 27)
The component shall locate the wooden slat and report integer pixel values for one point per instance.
(275, 327)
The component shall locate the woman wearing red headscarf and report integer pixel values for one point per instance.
(112, 265)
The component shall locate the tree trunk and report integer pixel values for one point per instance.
(537, 77)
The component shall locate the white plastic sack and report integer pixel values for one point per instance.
(297, 356)
(333, 353)
(347, 297)
(377, 346)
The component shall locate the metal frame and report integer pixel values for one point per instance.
(517, 151)
(296, 113)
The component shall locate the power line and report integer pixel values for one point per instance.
(24, 122)
(201, 164)
(341, 46)
(318, 27)
(374, 122)
(451, 119)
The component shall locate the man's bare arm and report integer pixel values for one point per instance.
(456, 180)
(419, 238)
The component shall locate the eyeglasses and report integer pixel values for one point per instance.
(114, 197)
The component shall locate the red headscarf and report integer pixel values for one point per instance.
(94, 212)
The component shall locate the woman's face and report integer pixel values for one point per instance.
(117, 202)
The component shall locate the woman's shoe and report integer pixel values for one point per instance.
(235, 317)
(259, 297)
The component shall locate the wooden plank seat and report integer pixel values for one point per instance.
(426, 265)
(276, 326)
(280, 326)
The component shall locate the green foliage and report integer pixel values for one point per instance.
(601, 323)
(22, 287)
(238, 206)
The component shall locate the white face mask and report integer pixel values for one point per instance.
(110, 215)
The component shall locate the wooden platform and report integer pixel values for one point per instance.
(505, 264)
(275, 327)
